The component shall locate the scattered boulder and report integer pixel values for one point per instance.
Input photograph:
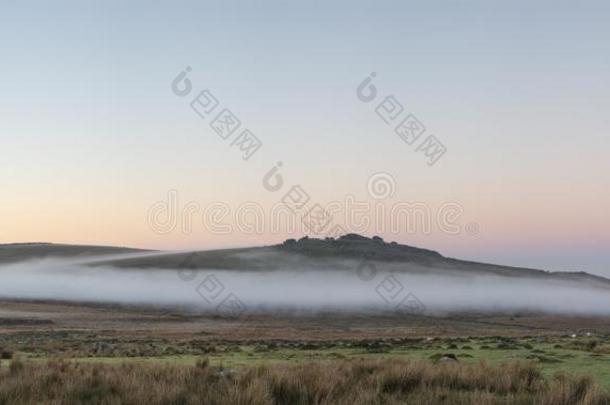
(444, 358)
(102, 348)
(6, 354)
(448, 359)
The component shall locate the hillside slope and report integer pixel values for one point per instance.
(348, 253)
(16, 252)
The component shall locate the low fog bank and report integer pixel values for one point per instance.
(204, 291)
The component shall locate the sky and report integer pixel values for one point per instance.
(95, 140)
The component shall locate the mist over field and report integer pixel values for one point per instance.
(292, 290)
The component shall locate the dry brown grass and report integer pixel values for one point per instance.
(352, 382)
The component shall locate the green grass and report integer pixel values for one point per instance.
(549, 358)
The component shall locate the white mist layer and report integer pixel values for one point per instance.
(293, 290)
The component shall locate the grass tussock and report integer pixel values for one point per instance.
(352, 382)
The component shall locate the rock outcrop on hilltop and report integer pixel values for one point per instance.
(354, 245)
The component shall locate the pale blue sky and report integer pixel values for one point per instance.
(519, 92)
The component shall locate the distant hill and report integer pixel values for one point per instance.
(16, 252)
(350, 252)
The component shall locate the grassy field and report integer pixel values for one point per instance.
(581, 355)
(285, 359)
(340, 381)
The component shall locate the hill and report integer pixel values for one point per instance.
(16, 252)
(350, 252)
